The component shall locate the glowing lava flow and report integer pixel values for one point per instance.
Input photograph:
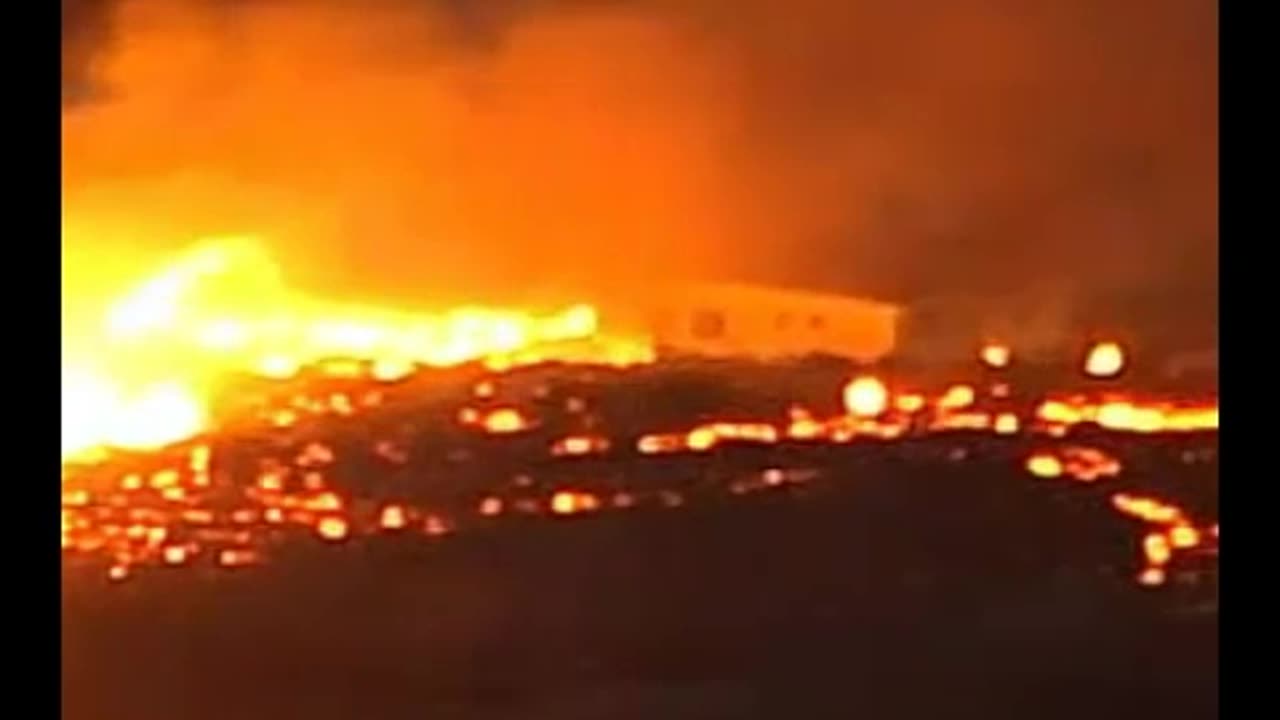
(143, 377)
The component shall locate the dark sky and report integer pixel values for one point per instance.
(895, 147)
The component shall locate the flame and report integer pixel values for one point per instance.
(142, 376)
(1106, 359)
(1125, 414)
(995, 355)
(866, 397)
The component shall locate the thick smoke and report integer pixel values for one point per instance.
(894, 148)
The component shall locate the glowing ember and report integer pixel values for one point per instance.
(703, 438)
(1006, 424)
(175, 555)
(1151, 577)
(1044, 465)
(1104, 360)
(957, 397)
(564, 503)
(909, 403)
(504, 421)
(393, 517)
(996, 355)
(332, 529)
(1157, 549)
(579, 445)
(866, 397)
(236, 557)
(1184, 537)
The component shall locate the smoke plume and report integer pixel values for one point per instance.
(444, 149)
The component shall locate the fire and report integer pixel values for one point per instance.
(1104, 360)
(866, 397)
(1125, 414)
(957, 397)
(1156, 547)
(393, 517)
(505, 420)
(1044, 465)
(332, 529)
(996, 355)
(143, 375)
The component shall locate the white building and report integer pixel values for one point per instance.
(754, 321)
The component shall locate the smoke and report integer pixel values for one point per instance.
(446, 148)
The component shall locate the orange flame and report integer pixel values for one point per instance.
(142, 378)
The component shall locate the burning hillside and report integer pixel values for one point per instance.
(143, 376)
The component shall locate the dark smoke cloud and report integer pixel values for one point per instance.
(895, 147)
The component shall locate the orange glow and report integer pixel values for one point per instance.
(1184, 537)
(1104, 360)
(971, 420)
(1151, 577)
(118, 573)
(175, 555)
(1147, 509)
(564, 503)
(75, 498)
(505, 421)
(323, 502)
(957, 397)
(1056, 411)
(158, 351)
(996, 355)
(332, 528)
(804, 429)
(909, 403)
(271, 481)
(1157, 549)
(1007, 424)
(393, 517)
(1044, 465)
(491, 506)
(434, 526)
(1089, 464)
(1124, 414)
(703, 438)
(866, 397)
(575, 445)
(236, 557)
(660, 443)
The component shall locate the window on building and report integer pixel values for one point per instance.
(783, 321)
(817, 322)
(708, 324)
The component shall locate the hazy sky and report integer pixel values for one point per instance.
(893, 147)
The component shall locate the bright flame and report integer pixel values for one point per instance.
(996, 355)
(1104, 360)
(866, 397)
(160, 351)
(1044, 465)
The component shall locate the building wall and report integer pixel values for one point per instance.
(736, 320)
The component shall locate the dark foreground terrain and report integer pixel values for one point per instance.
(879, 600)
(928, 577)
